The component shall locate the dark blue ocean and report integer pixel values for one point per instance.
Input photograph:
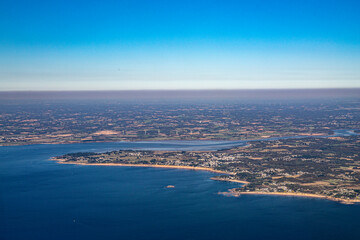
(40, 199)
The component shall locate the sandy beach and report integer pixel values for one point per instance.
(144, 165)
(233, 192)
(229, 180)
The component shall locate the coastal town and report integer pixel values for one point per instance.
(314, 167)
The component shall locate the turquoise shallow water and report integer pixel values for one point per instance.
(40, 199)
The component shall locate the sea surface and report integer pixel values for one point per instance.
(41, 199)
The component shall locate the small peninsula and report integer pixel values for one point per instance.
(318, 167)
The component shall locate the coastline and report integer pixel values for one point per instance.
(143, 165)
(230, 192)
(234, 193)
(229, 180)
(120, 141)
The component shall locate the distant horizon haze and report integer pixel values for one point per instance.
(187, 94)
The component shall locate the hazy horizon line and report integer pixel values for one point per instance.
(185, 89)
(233, 94)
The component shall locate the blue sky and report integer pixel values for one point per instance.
(120, 45)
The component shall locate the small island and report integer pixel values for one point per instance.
(310, 167)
